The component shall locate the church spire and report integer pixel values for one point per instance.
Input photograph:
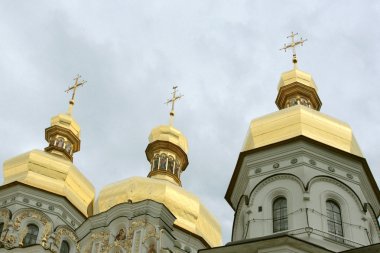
(167, 149)
(297, 87)
(64, 132)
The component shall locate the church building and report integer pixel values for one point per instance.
(301, 185)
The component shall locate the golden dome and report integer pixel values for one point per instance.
(53, 174)
(297, 87)
(169, 134)
(296, 75)
(191, 214)
(301, 120)
(167, 153)
(63, 136)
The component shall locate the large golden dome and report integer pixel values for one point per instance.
(191, 214)
(167, 154)
(51, 173)
(301, 120)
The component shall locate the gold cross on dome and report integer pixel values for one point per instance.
(174, 98)
(172, 101)
(77, 84)
(293, 45)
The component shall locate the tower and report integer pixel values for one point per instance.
(301, 182)
(194, 226)
(45, 197)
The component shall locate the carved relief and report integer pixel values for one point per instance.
(63, 232)
(124, 239)
(5, 214)
(9, 241)
(34, 215)
(121, 235)
(103, 237)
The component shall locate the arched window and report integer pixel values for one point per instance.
(65, 247)
(31, 236)
(171, 164)
(280, 215)
(334, 219)
(177, 168)
(60, 143)
(163, 159)
(155, 162)
(68, 147)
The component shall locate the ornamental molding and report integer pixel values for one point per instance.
(271, 179)
(123, 241)
(33, 215)
(63, 232)
(243, 202)
(5, 214)
(336, 182)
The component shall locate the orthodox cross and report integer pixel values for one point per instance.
(77, 84)
(293, 45)
(172, 101)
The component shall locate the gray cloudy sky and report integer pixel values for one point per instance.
(223, 55)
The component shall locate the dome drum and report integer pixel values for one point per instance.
(297, 93)
(62, 140)
(166, 164)
(156, 146)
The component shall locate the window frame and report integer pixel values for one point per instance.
(67, 244)
(336, 223)
(32, 235)
(282, 218)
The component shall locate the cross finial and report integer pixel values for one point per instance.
(293, 45)
(172, 101)
(74, 88)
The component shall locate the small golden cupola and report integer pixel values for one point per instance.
(52, 170)
(167, 149)
(297, 87)
(64, 132)
(299, 114)
(167, 155)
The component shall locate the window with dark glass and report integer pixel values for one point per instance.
(163, 159)
(155, 162)
(31, 236)
(334, 219)
(60, 143)
(280, 215)
(65, 247)
(171, 164)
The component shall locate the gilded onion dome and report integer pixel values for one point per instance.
(167, 154)
(52, 170)
(298, 114)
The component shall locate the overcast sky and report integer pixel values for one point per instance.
(223, 55)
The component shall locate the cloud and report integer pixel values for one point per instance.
(223, 56)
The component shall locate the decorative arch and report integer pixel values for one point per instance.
(336, 182)
(243, 201)
(5, 216)
(375, 221)
(271, 179)
(66, 233)
(23, 217)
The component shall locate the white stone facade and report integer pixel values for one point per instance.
(145, 226)
(307, 175)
